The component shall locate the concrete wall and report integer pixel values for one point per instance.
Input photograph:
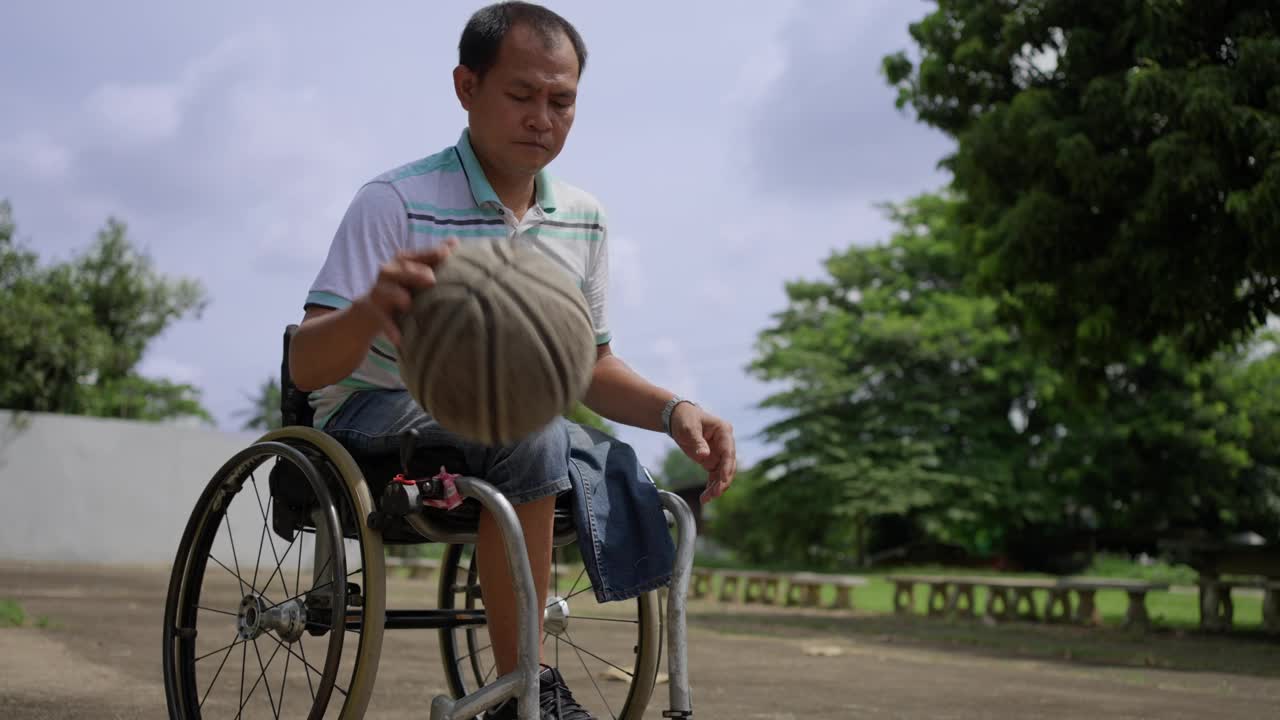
(94, 490)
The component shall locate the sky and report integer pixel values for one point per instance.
(732, 149)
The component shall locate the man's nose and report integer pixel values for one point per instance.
(539, 119)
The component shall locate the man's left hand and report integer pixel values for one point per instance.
(708, 440)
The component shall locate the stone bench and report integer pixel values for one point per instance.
(760, 586)
(805, 589)
(1217, 609)
(1014, 598)
(948, 594)
(1086, 612)
(700, 582)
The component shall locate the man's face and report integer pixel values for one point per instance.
(521, 111)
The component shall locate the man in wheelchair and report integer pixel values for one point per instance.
(517, 79)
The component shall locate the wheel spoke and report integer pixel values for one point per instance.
(279, 569)
(289, 650)
(220, 612)
(307, 666)
(576, 594)
(234, 556)
(219, 672)
(474, 652)
(270, 536)
(263, 677)
(262, 536)
(215, 652)
(576, 581)
(244, 660)
(297, 574)
(568, 639)
(585, 669)
(600, 619)
(246, 700)
(313, 589)
(234, 574)
(283, 683)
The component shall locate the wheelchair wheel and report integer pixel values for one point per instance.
(609, 654)
(276, 600)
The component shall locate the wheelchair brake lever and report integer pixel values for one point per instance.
(408, 443)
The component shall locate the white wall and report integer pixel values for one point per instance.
(94, 490)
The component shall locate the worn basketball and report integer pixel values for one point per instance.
(500, 345)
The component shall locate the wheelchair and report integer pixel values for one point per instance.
(301, 562)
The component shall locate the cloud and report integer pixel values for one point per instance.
(37, 154)
(676, 370)
(161, 366)
(138, 113)
(626, 271)
(827, 126)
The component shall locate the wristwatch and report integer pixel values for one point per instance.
(669, 408)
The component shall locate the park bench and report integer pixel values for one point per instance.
(1217, 609)
(1086, 611)
(700, 582)
(1009, 598)
(805, 589)
(760, 586)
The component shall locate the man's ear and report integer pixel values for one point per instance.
(464, 84)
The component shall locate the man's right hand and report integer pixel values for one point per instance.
(398, 279)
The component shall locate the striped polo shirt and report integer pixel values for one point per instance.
(419, 205)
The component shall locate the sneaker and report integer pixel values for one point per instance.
(554, 698)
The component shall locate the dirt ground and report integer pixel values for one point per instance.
(98, 657)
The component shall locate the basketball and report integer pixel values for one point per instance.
(500, 345)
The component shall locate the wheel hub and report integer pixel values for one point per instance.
(287, 620)
(555, 619)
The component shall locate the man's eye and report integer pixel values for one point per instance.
(562, 104)
(517, 98)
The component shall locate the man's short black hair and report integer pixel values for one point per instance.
(483, 35)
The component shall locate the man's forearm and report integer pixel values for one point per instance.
(619, 394)
(327, 348)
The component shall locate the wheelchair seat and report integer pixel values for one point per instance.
(379, 468)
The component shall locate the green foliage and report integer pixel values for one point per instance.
(904, 393)
(1109, 565)
(898, 387)
(263, 412)
(680, 472)
(1117, 163)
(11, 614)
(73, 333)
(583, 415)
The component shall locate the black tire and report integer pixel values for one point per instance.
(356, 606)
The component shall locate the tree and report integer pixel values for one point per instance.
(73, 333)
(263, 412)
(898, 384)
(905, 395)
(680, 472)
(1117, 165)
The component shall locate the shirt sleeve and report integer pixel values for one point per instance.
(596, 287)
(372, 231)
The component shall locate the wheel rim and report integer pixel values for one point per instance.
(238, 589)
(612, 674)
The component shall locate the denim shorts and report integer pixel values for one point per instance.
(371, 421)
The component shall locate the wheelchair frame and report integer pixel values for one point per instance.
(294, 442)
